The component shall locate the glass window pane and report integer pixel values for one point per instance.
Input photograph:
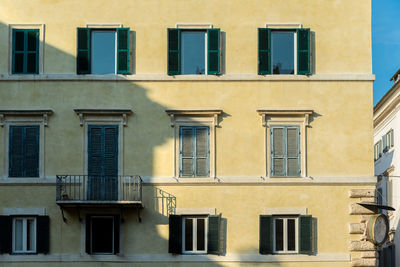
(103, 52)
(189, 234)
(102, 234)
(30, 235)
(31, 67)
(278, 234)
(19, 41)
(19, 62)
(18, 235)
(282, 52)
(32, 37)
(193, 52)
(291, 237)
(200, 234)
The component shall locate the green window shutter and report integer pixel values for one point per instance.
(16, 152)
(293, 151)
(303, 52)
(391, 138)
(43, 234)
(175, 234)
(95, 150)
(5, 234)
(306, 237)
(25, 54)
(117, 223)
(278, 153)
(264, 51)
(123, 45)
(174, 54)
(202, 151)
(384, 143)
(31, 151)
(214, 234)
(266, 234)
(83, 53)
(187, 150)
(110, 162)
(213, 53)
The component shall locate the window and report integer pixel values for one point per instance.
(25, 51)
(285, 150)
(387, 141)
(287, 234)
(24, 151)
(102, 234)
(193, 51)
(194, 234)
(103, 51)
(24, 234)
(284, 51)
(194, 151)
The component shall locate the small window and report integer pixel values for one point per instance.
(285, 233)
(194, 232)
(102, 234)
(24, 235)
(103, 51)
(24, 151)
(194, 151)
(25, 51)
(387, 141)
(378, 150)
(284, 51)
(193, 51)
(285, 150)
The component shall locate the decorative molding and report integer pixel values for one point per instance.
(194, 26)
(272, 25)
(104, 25)
(189, 211)
(285, 211)
(83, 113)
(285, 113)
(24, 211)
(177, 78)
(174, 113)
(21, 113)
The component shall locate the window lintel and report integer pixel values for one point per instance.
(173, 113)
(82, 113)
(44, 113)
(305, 113)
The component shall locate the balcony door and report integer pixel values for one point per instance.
(102, 162)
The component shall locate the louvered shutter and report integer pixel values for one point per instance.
(5, 234)
(213, 53)
(117, 234)
(43, 234)
(202, 151)
(83, 53)
(110, 162)
(293, 151)
(123, 45)
(174, 54)
(214, 234)
(264, 51)
(186, 151)
(16, 152)
(88, 233)
(95, 162)
(31, 151)
(266, 234)
(175, 234)
(303, 52)
(306, 238)
(278, 151)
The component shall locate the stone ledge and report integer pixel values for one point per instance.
(364, 262)
(356, 209)
(361, 246)
(356, 228)
(357, 193)
(369, 254)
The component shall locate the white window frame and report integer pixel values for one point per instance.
(205, 51)
(114, 30)
(294, 51)
(285, 244)
(91, 235)
(195, 251)
(24, 235)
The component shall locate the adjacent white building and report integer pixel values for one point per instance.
(387, 165)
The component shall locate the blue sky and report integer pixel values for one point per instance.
(385, 44)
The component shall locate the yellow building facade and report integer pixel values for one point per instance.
(117, 149)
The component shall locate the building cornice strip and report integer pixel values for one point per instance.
(167, 78)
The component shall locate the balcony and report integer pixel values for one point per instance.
(99, 191)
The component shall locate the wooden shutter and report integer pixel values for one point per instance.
(213, 53)
(83, 53)
(266, 234)
(123, 45)
(88, 233)
(16, 152)
(117, 234)
(95, 150)
(175, 234)
(186, 152)
(174, 54)
(306, 237)
(293, 151)
(264, 51)
(214, 234)
(31, 145)
(43, 234)
(278, 151)
(110, 162)
(303, 52)
(5, 234)
(391, 138)
(202, 151)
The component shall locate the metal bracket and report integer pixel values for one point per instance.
(62, 214)
(139, 218)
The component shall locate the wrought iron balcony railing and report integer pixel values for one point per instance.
(98, 190)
